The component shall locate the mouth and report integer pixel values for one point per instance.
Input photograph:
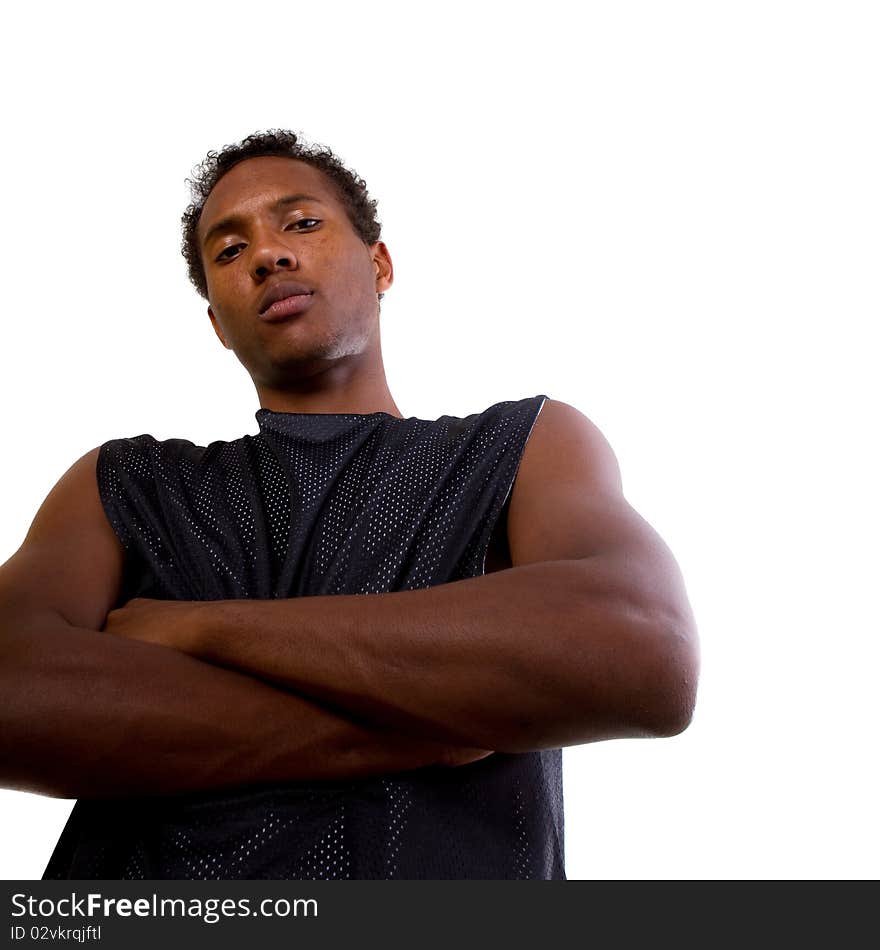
(278, 293)
(286, 307)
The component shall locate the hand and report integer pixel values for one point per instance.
(170, 623)
(455, 756)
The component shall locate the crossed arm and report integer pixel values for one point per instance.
(588, 636)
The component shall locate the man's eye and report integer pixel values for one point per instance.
(307, 221)
(224, 255)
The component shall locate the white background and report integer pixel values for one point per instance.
(665, 214)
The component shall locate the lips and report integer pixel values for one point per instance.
(286, 307)
(281, 291)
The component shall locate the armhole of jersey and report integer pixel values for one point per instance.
(111, 490)
(101, 470)
(501, 510)
(104, 471)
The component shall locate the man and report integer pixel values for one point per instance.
(187, 644)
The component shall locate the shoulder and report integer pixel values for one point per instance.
(566, 445)
(146, 448)
(70, 562)
(567, 500)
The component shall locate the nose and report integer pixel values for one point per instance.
(268, 256)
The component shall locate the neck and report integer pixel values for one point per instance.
(360, 396)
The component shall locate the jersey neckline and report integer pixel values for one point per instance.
(345, 415)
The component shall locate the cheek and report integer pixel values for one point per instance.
(216, 282)
(347, 269)
(228, 289)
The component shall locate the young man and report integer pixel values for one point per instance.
(187, 642)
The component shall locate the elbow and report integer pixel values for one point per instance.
(675, 679)
(673, 722)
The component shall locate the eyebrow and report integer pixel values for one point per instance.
(233, 221)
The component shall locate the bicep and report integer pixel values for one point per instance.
(568, 504)
(567, 500)
(70, 563)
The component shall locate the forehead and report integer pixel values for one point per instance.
(256, 182)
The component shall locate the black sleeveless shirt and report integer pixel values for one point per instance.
(320, 504)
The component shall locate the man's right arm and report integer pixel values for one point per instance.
(86, 714)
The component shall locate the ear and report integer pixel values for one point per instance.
(383, 266)
(217, 329)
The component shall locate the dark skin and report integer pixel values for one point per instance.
(580, 630)
(328, 359)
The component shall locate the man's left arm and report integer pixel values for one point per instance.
(588, 636)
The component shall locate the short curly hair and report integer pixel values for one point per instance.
(351, 189)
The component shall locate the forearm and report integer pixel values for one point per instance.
(86, 714)
(545, 654)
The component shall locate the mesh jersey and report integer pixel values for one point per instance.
(321, 504)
